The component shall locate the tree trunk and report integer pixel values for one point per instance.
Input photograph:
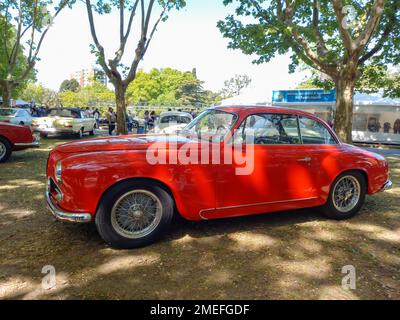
(344, 107)
(120, 91)
(7, 89)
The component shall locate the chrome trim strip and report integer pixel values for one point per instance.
(30, 144)
(252, 205)
(66, 216)
(387, 186)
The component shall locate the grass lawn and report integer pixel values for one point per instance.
(293, 255)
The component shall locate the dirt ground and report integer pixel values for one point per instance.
(287, 255)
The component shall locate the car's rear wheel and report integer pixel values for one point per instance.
(134, 214)
(346, 197)
(5, 149)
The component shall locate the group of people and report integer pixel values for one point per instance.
(111, 118)
(37, 111)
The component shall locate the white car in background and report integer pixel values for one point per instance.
(170, 122)
(16, 116)
(65, 121)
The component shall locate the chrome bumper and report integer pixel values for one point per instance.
(33, 144)
(66, 216)
(387, 186)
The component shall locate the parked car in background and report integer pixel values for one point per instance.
(171, 122)
(132, 198)
(16, 116)
(65, 121)
(15, 137)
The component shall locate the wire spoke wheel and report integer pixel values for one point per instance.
(3, 150)
(346, 193)
(136, 214)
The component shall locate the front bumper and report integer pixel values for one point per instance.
(387, 186)
(64, 215)
(34, 144)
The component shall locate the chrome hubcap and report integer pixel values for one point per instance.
(346, 194)
(136, 214)
(2, 150)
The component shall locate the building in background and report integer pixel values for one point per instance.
(86, 76)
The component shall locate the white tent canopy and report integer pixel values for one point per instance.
(250, 96)
(375, 99)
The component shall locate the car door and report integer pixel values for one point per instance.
(282, 170)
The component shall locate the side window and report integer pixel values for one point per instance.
(314, 132)
(269, 129)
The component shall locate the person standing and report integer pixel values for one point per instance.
(96, 116)
(111, 119)
(152, 119)
(146, 120)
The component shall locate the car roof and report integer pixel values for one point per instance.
(251, 109)
(14, 109)
(175, 113)
(67, 108)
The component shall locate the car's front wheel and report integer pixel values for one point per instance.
(5, 149)
(134, 214)
(346, 197)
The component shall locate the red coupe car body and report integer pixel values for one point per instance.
(285, 176)
(16, 137)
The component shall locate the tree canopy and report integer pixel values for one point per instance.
(168, 87)
(119, 74)
(24, 25)
(235, 85)
(69, 85)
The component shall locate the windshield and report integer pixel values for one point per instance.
(211, 125)
(65, 113)
(7, 112)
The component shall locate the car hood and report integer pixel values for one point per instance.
(132, 142)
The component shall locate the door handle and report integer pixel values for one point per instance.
(306, 159)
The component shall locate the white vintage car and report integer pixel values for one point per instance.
(16, 116)
(64, 121)
(171, 122)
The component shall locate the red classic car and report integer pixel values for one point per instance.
(15, 137)
(229, 161)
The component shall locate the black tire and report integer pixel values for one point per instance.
(91, 133)
(329, 209)
(21, 123)
(4, 143)
(103, 219)
(44, 135)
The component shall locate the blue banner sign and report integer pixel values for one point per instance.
(303, 96)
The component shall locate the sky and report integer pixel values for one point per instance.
(188, 39)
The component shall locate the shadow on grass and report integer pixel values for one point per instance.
(294, 255)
